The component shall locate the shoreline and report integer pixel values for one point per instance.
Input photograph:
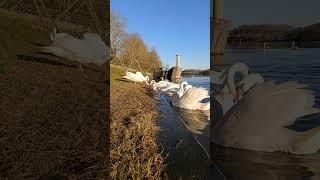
(134, 151)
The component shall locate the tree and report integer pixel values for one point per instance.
(134, 50)
(154, 58)
(117, 33)
(129, 49)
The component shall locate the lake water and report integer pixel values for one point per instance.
(302, 65)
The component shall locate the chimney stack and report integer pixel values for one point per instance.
(177, 61)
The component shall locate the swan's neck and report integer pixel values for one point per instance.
(250, 81)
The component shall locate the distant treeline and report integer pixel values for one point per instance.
(195, 72)
(308, 36)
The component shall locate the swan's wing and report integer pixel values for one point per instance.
(131, 76)
(258, 121)
(281, 104)
(140, 76)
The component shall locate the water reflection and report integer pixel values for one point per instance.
(198, 123)
(244, 164)
(184, 157)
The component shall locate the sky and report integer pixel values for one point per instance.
(171, 26)
(292, 12)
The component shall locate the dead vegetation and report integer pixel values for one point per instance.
(53, 122)
(53, 118)
(134, 152)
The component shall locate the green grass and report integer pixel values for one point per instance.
(116, 72)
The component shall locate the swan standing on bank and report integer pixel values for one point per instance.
(258, 120)
(137, 77)
(90, 49)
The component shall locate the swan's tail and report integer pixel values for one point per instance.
(309, 142)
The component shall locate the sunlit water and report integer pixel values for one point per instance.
(302, 65)
(185, 137)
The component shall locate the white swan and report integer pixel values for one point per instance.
(171, 88)
(157, 86)
(191, 98)
(136, 77)
(227, 94)
(90, 49)
(258, 121)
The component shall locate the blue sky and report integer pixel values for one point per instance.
(171, 26)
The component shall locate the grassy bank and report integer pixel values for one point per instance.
(134, 152)
(51, 122)
(53, 117)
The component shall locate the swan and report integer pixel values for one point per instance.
(157, 86)
(191, 98)
(228, 91)
(171, 89)
(136, 77)
(90, 49)
(259, 120)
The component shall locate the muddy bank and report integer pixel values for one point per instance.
(134, 151)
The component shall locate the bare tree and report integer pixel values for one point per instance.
(129, 49)
(134, 50)
(117, 33)
(154, 58)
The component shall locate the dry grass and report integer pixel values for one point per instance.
(53, 122)
(53, 118)
(134, 152)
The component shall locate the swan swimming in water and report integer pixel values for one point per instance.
(259, 118)
(226, 78)
(188, 97)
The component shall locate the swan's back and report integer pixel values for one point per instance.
(258, 121)
(91, 49)
(192, 99)
(196, 94)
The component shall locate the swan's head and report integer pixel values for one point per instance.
(184, 86)
(239, 93)
(246, 84)
(241, 68)
(183, 83)
(152, 82)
